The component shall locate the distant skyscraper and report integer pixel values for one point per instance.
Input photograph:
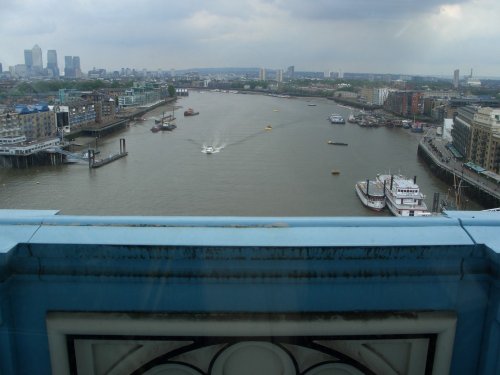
(72, 67)
(69, 72)
(327, 74)
(28, 58)
(456, 78)
(36, 52)
(262, 74)
(290, 72)
(279, 75)
(52, 62)
(76, 66)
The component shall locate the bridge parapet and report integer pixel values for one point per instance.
(211, 295)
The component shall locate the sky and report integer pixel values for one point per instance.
(417, 37)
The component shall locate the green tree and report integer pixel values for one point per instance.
(171, 91)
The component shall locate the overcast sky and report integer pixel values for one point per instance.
(378, 36)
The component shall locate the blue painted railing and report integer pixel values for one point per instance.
(204, 265)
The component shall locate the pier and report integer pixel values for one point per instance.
(97, 163)
(448, 167)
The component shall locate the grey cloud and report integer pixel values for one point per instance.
(350, 10)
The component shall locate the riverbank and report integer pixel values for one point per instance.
(109, 127)
(464, 182)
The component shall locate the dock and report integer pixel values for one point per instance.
(97, 163)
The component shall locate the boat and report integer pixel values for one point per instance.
(371, 194)
(167, 126)
(165, 118)
(190, 112)
(209, 150)
(335, 171)
(337, 143)
(351, 119)
(268, 127)
(336, 119)
(312, 105)
(403, 196)
(406, 124)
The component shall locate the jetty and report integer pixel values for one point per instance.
(97, 163)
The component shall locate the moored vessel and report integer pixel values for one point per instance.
(371, 194)
(403, 196)
(165, 118)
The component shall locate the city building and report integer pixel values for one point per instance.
(374, 96)
(72, 67)
(141, 96)
(290, 72)
(20, 70)
(52, 66)
(485, 139)
(405, 103)
(461, 132)
(472, 82)
(68, 67)
(10, 127)
(279, 75)
(262, 74)
(36, 52)
(76, 66)
(76, 114)
(28, 59)
(37, 122)
(456, 78)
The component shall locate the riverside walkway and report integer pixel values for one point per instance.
(436, 151)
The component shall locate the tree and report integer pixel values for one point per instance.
(171, 91)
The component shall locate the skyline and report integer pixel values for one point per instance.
(431, 37)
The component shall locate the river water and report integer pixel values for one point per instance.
(282, 172)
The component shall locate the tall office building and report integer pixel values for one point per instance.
(262, 74)
(52, 62)
(69, 72)
(456, 78)
(28, 58)
(76, 66)
(36, 53)
(290, 72)
(72, 67)
(279, 75)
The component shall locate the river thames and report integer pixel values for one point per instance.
(285, 171)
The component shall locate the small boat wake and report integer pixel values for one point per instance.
(209, 149)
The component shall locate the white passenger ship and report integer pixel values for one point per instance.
(371, 194)
(403, 196)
